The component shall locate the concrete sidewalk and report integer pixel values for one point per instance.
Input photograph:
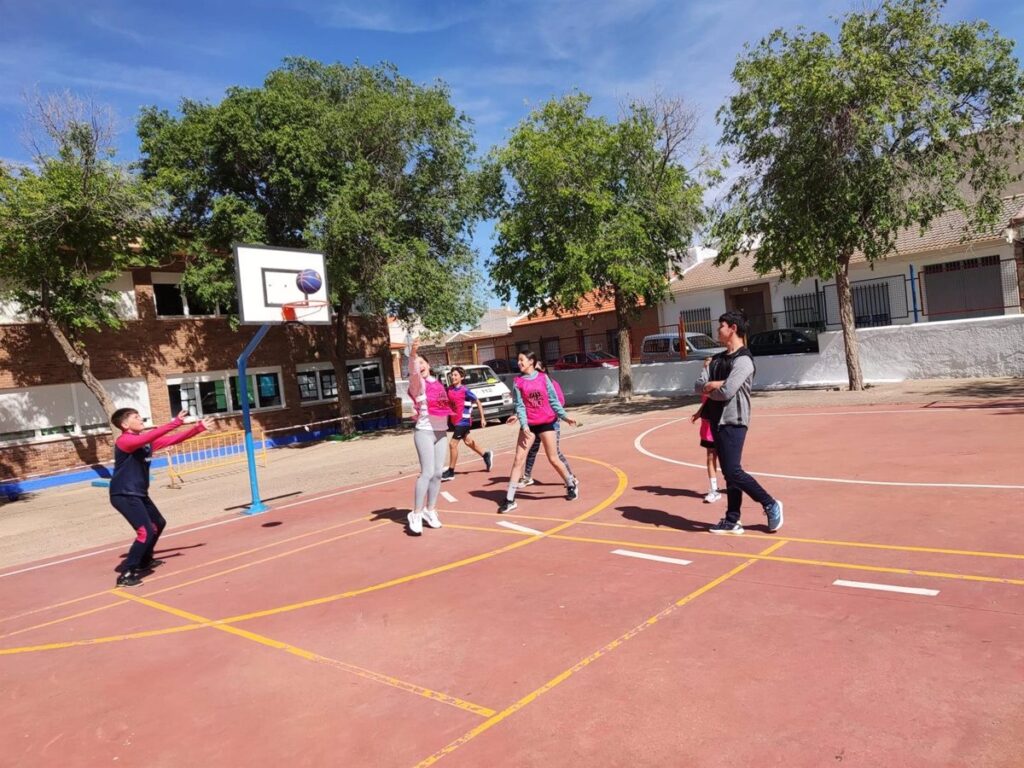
(75, 518)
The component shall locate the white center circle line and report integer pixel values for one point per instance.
(638, 444)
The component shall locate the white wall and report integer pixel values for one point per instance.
(125, 306)
(982, 347)
(715, 298)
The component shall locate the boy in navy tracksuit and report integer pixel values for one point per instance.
(129, 487)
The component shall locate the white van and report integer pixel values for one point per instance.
(664, 347)
(495, 397)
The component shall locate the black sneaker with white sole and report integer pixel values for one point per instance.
(128, 579)
(506, 506)
(447, 475)
(572, 492)
(488, 460)
(724, 526)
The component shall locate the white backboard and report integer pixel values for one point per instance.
(266, 281)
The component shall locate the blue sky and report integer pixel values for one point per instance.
(499, 57)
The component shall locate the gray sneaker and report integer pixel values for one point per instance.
(774, 513)
(724, 526)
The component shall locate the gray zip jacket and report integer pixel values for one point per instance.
(737, 369)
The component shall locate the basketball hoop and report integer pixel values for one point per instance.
(294, 311)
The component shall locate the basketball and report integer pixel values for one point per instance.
(309, 281)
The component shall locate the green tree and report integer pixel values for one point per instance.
(358, 162)
(845, 142)
(584, 204)
(71, 223)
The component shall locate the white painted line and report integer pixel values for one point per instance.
(655, 558)
(885, 587)
(299, 503)
(520, 528)
(638, 444)
(448, 497)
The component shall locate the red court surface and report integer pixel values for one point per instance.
(320, 634)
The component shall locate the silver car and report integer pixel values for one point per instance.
(664, 347)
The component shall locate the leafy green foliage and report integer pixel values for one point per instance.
(844, 142)
(68, 227)
(584, 205)
(356, 161)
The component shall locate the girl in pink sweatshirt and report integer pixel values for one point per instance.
(537, 411)
(430, 410)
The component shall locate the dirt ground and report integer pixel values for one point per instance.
(75, 518)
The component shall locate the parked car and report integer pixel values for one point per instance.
(495, 397)
(664, 347)
(782, 341)
(585, 360)
(510, 365)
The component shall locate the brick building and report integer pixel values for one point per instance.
(172, 354)
(590, 326)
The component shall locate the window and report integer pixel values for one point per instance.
(365, 378)
(308, 389)
(318, 382)
(698, 320)
(656, 346)
(216, 392)
(169, 302)
(328, 383)
(174, 300)
(59, 411)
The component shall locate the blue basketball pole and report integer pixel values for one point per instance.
(257, 504)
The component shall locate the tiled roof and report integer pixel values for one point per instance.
(946, 231)
(589, 304)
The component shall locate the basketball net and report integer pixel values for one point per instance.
(295, 311)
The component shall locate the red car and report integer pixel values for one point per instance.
(585, 360)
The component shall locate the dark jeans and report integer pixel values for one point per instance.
(147, 522)
(729, 444)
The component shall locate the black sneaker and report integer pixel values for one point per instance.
(724, 526)
(572, 492)
(448, 474)
(488, 460)
(506, 506)
(154, 563)
(129, 579)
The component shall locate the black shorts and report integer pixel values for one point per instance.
(459, 433)
(539, 429)
(706, 444)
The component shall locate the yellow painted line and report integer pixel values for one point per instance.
(302, 653)
(776, 537)
(792, 560)
(65, 618)
(801, 561)
(202, 578)
(587, 661)
(277, 556)
(180, 571)
(99, 640)
(619, 490)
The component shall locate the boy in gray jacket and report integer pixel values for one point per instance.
(726, 380)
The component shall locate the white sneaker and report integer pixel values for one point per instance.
(525, 481)
(415, 523)
(430, 518)
(712, 497)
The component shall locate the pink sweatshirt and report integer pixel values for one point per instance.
(430, 405)
(129, 442)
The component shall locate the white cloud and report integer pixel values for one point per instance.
(395, 16)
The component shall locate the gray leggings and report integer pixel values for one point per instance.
(531, 457)
(432, 448)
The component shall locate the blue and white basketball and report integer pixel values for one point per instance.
(309, 281)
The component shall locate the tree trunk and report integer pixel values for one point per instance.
(340, 361)
(80, 362)
(625, 352)
(849, 324)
